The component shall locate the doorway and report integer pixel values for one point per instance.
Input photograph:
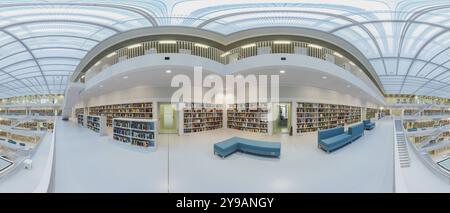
(283, 120)
(168, 118)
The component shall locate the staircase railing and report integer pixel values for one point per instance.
(427, 106)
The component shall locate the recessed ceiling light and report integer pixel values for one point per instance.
(225, 54)
(96, 64)
(82, 76)
(168, 71)
(111, 54)
(125, 77)
(101, 86)
(201, 45)
(338, 54)
(348, 86)
(324, 77)
(282, 42)
(282, 71)
(351, 62)
(134, 46)
(315, 46)
(248, 45)
(167, 42)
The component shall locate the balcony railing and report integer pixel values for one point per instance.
(220, 56)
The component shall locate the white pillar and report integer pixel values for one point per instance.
(270, 117)
(294, 106)
(155, 110)
(180, 108)
(224, 116)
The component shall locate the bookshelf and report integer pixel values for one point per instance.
(81, 120)
(425, 123)
(17, 112)
(312, 117)
(127, 110)
(96, 124)
(5, 122)
(202, 117)
(42, 112)
(37, 125)
(24, 140)
(371, 113)
(250, 117)
(427, 112)
(79, 111)
(138, 132)
(79, 114)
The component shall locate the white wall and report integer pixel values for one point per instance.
(163, 94)
(319, 95)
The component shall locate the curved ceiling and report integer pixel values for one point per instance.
(406, 41)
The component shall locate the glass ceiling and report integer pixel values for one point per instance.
(407, 41)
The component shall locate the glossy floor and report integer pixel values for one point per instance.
(86, 162)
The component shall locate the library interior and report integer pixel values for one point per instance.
(186, 96)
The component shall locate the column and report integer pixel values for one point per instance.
(294, 106)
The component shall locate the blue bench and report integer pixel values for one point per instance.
(412, 130)
(356, 131)
(235, 144)
(368, 125)
(335, 138)
(332, 139)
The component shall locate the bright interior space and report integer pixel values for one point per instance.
(225, 96)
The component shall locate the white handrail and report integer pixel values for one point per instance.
(46, 178)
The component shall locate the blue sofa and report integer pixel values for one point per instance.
(235, 144)
(332, 139)
(335, 138)
(356, 131)
(368, 125)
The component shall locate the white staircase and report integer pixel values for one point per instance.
(405, 161)
(402, 147)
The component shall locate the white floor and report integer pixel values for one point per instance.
(22, 180)
(86, 162)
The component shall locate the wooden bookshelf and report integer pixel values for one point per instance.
(17, 112)
(202, 117)
(81, 119)
(371, 113)
(425, 123)
(79, 111)
(37, 124)
(19, 139)
(5, 122)
(250, 117)
(128, 110)
(3, 134)
(312, 117)
(427, 112)
(138, 132)
(96, 124)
